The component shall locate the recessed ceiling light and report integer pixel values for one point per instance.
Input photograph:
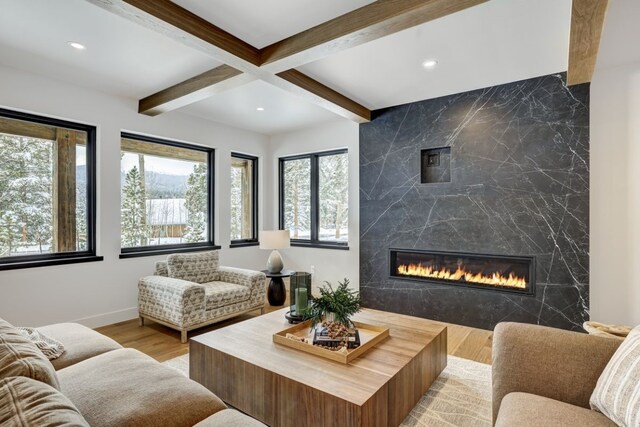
(429, 64)
(260, 109)
(76, 45)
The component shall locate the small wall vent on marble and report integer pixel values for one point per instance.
(493, 272)
(435, 165)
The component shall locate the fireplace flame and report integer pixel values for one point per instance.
(495, 279)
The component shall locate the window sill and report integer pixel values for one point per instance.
(49, 262)
(242, 244)
(321, 245)
(165, 251)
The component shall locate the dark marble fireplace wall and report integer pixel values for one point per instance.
(519, 186)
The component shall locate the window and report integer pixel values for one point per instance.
(166, 196)
(244, 200)
(47, 191)
(314, 199)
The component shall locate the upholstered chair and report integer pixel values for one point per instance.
(189, 291)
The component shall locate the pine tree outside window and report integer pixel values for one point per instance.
(47, 191)
(166, 202)
(244, 200)
(314, 199)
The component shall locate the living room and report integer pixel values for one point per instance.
(467, 168)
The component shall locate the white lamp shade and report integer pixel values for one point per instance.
(274, 239)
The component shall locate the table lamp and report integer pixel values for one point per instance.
(274, 239)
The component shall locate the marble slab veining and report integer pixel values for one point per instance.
(519, 186)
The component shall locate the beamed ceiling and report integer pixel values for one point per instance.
(303, 61)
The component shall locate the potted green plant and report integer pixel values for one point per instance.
(335, 305)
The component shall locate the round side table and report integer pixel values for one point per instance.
(277, 293)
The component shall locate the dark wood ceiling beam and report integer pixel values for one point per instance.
(193, 90)
(296, 82)
(587, 22)
(370, 22)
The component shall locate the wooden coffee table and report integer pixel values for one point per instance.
(281, 386)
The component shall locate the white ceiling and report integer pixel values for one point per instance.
(261, 23)
(122, 58)
(498, 42)
(283, 111)
(621, 28)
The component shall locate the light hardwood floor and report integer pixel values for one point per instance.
(163, 343)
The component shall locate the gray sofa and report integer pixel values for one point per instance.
(189, 291)
(97, 382)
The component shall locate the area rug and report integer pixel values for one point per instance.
(460, 397)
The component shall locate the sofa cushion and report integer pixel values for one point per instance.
(530, 410)
(25, 402)
(127, 388)
(219, 294)
(79, 341)
(19, 357)
(617, 393)
(198, 267)
(229, 418)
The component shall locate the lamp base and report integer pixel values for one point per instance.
(274, 263)
(276, 292)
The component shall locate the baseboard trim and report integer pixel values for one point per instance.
(109, 318)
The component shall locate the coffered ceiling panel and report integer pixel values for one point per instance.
(261, 23)
(281, 111)
(496, 42)
(121, 57)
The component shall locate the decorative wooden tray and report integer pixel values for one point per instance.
(370, 335)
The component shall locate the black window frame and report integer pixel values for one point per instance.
(141, 251)
(314, 159)
(238, 243)
(88, 255)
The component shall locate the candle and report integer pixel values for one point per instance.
(301, 300)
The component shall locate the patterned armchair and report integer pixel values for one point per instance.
(189, 291)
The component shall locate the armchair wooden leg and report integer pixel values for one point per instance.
(262, 311)
(141, 321)
(183, 336)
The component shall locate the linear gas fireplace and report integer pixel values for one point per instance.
(497, 272)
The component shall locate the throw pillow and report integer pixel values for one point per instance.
(51, 348)
(26, 402)
(617, 393)
(199, 267)
(19, 357)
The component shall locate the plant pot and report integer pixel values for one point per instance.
(329, 317)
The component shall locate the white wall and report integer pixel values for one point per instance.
(615, 169)
(99, 293)
(330, 264)
(615, 195)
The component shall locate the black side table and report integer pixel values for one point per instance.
(277, 293)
